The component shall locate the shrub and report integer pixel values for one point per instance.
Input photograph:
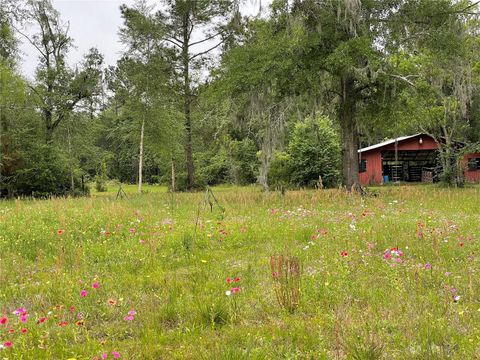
(280, 170)
(44, 171)
(101, 178)
(314, 151)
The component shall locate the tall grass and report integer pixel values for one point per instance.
(387, 277)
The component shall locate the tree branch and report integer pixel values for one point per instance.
(174, 42)
(30, 41)
(206, 51)
(404, 78)
(207, 38)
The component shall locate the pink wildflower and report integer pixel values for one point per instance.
(83, 293)
(95, 285)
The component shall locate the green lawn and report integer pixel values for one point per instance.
(388, 277)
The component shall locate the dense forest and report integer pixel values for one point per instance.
(206, 95)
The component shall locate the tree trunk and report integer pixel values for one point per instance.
(349, 131)
(187, 95)
(140, 158)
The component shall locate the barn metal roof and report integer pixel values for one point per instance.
(388, 142)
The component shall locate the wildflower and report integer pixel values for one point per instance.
(95, 285)
(23, 318)
(80, 322)
(111, 302)
(237, 279)
(11, 331)
(3, 320)
(104, 355)
(62, 323)
(8, 344)
(72, 308)
(229, 280)
(129, 318)
(344, 253)
(274, 274)
(235, 290)
(83, 293)
(60, 232)
(23, 330)
(228, 293)
(20, 311)
(456, 298)
(132, 312)
(41, 320)
(116, 354)
(428, 266)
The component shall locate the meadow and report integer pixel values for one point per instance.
(161, 276)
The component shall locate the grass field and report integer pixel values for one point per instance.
(388, 277)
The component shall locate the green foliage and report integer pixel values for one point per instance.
(280, 170)
(314, 151)
(230, 161)
(101, 178)
(44, 171)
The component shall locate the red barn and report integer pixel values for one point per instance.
(408, 158)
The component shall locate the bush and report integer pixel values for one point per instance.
(314, 150)
(44, 171)
(101, 178)
(280, 170)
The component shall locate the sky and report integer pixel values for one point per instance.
(93, 23)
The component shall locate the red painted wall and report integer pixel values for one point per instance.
(412, 144)
(472, 176)
(373, 175)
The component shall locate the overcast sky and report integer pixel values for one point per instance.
(93, 23)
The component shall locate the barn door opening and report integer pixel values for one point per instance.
(407, 165)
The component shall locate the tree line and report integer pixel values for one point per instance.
(204, 94)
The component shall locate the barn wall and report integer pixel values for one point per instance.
(472, 176)
(373, 175)
(413, 144)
